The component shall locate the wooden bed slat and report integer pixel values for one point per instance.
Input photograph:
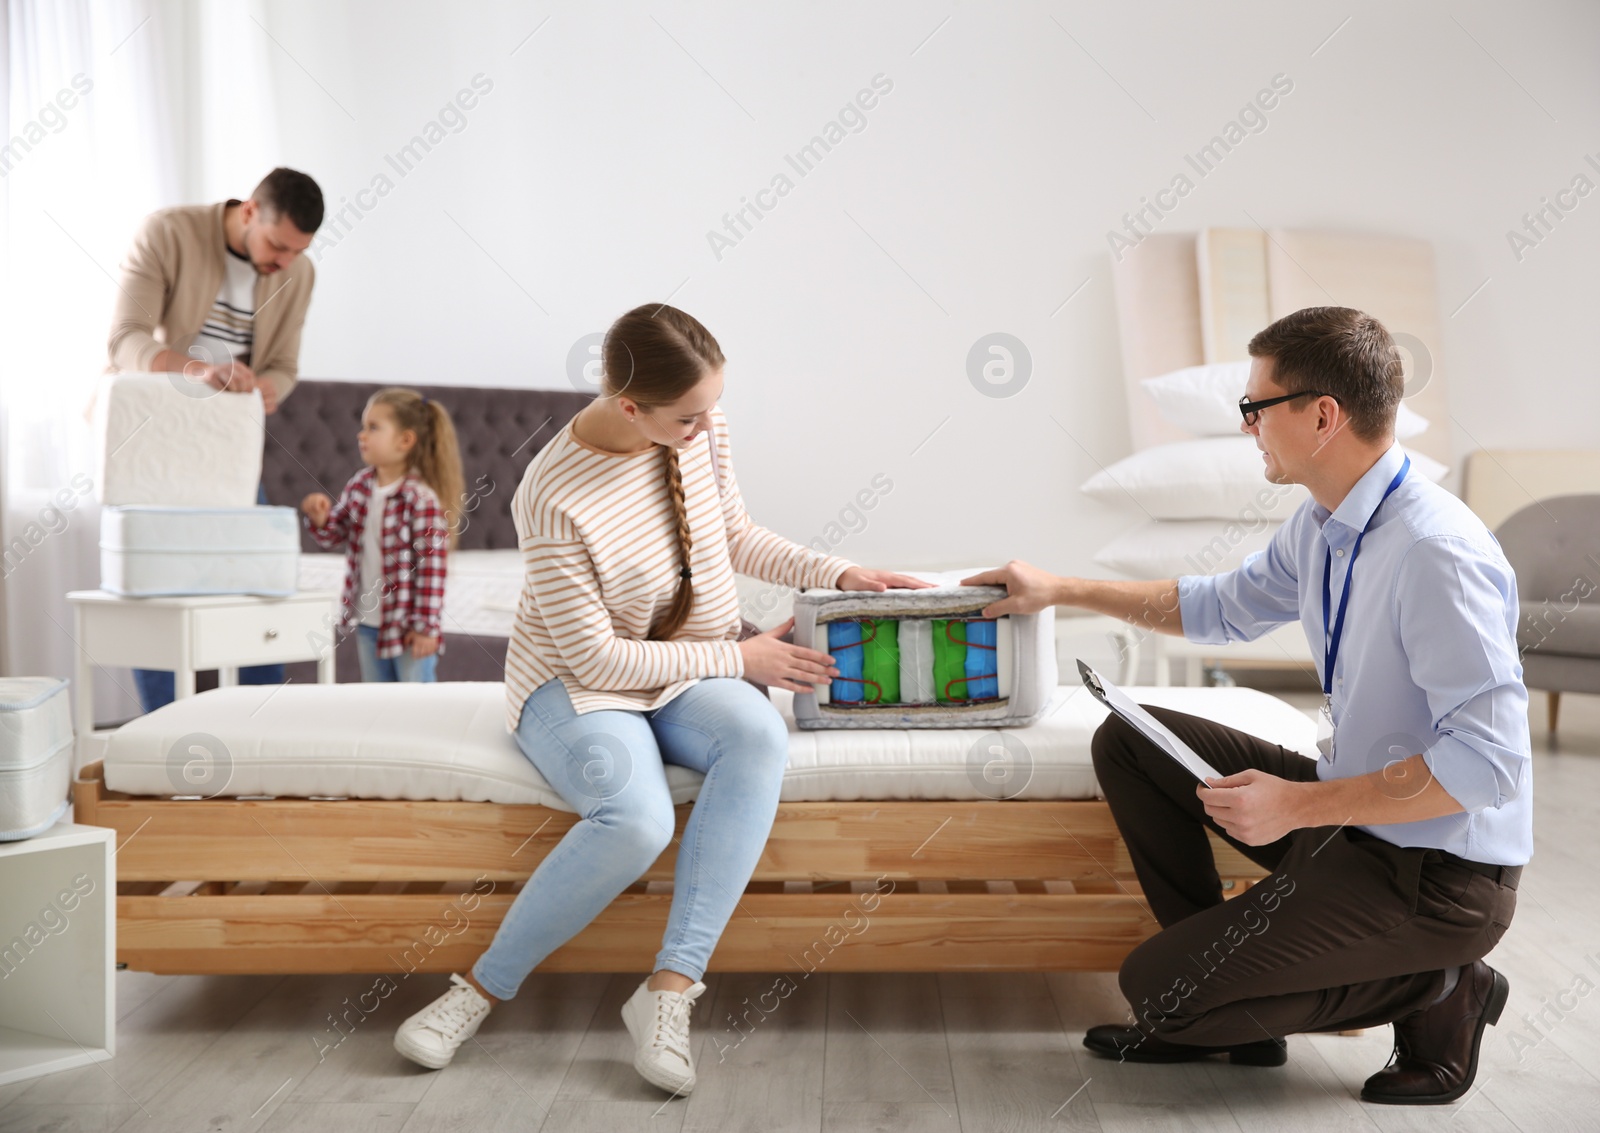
(803, 933)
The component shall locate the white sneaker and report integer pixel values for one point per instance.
(659, 1024)
(430, 1037)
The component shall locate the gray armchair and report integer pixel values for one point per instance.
(1554, 546)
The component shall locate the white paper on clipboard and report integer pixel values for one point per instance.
(1147, 725)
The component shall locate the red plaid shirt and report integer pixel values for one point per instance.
(415, 540)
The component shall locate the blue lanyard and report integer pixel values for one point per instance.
(1331, 643)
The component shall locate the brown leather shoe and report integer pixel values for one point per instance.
(1436, 1050)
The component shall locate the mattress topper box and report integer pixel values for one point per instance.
(35, 755)
(162, 439)
(925, 658)
(155, 551)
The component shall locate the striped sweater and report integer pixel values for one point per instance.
(600, 566)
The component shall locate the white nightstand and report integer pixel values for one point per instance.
(193, 632)
(57, 951)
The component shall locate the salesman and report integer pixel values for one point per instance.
(219, 292)
(1396, 854)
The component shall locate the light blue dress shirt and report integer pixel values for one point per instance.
(1428, 661)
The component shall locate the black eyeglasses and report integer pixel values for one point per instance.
(1251, 410)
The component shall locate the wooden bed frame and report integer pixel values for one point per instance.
(303, 885)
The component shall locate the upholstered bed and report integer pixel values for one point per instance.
(414, 820)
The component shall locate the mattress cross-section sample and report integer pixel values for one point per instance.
(924, 659)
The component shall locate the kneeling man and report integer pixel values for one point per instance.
(1395, 856)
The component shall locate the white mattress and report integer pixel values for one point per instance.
(481, 588)
(447, 741)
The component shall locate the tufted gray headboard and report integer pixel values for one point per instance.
(311, 446)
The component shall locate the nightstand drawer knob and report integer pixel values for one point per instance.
(271, 633)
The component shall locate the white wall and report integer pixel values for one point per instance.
(976, 199)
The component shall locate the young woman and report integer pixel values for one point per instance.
(625, 657)
(395, 533)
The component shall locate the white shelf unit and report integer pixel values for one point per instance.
(57, 951)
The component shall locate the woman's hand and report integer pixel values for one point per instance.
(421, 645)
(317, 506)
(778, 663)
(861, 578)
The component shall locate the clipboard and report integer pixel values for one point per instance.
(1146, 725)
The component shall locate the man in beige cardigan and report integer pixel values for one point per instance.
(220, 291)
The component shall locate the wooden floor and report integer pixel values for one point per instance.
(841, 1051)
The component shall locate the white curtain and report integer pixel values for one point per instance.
(93, 145)
(112, 109)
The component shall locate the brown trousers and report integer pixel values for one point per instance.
(1348, 931)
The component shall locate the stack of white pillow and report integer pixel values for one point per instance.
(1208, 505)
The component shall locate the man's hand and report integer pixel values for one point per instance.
(233, 376)
(1028, 589)
(317, 506)
(1252, 806)
(1153, 604)
(421, 645)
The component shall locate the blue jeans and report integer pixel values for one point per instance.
(402, 668)
(157, 687)
(609, 765)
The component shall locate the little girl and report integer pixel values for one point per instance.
(395, 564)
